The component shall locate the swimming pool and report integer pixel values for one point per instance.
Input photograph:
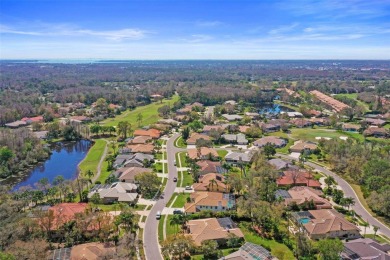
(304, 220)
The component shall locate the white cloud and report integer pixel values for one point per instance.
(283, 29)
(65, 30)
(198, 38)
(208, 23)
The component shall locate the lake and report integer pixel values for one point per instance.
(63, 161)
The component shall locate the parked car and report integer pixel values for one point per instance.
(174, 162)
(175, 179)
(188, 188)
(177, 211)
(158, 215)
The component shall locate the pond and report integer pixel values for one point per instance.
(271, 109)
(63, 161)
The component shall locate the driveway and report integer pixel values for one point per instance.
(151, 244)
(349, 192)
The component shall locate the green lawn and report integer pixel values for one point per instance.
(171, 229)
(148, 112)
(171, 199)
(310, 134)
(225, 252)
(182, 161)
(158, 156)
(161, 228)
(116, 207)
(354, 96)
(272, 244)
(187, 179)
(158, 167)
(222, 153)
(92, 159)
(180, 143)
(181, 200)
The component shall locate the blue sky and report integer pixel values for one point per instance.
(202, 29)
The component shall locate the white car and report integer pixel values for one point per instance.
(158, 215)
(188, 188)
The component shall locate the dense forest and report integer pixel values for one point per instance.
(19, 149)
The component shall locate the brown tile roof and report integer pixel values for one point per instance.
(243, 128)
(206, 198)
(375, 131)
(141, 148)
(65, 212)
(141, 139)
(347, 126)
(210, 229)
(375, 121)
(277, 141)
(302, 194)
(301, 145)
(208, 166)
(205, 183)
(129, 173)
(207, 128)
(298, 178)
(195, 136)
(202, 153)
(154, 133)
(91, 251)
(335, 104)
(301, 122)
(327, 220)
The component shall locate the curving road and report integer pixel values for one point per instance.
(349, 192)
(151, 244)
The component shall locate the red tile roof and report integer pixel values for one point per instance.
(154, 133)
(298, 178)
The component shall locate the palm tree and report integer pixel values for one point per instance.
(365, 225)
(376, 228)
(212, 183)
(329, 181)
(139, 119)
(90, 174)
(175, 221)
(349, 201)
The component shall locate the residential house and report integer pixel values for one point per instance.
(153, 133)
(375, 121)
(207, 200)
(211, 182)
(237, 158)
(118, 191)
(336, 105)
(319, 121)
(212, 229)
(203, 153)
(301, 195)
(365, 248)
(141, 148)
(297, 178)
(269, 127)
(141, 139)
(41, 134)
(128, 174)
(243, 128)
(301, 146)
(207, 166)
(231, 102)
(195, 136)
(169, 122)
(30, 120)
(350, 127)
(250, 251)
(16, 124)
(326, 223)
(293, 114)
(80, 119)
(273, 140)
(207, 128)
(376, 131)
(314, 113)
(90, 251)
(138, 159)
(301, 122)
(121, 159)
(63, 213)
(235, 138)
(253, 116)
(232, 117)
(279, 164)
